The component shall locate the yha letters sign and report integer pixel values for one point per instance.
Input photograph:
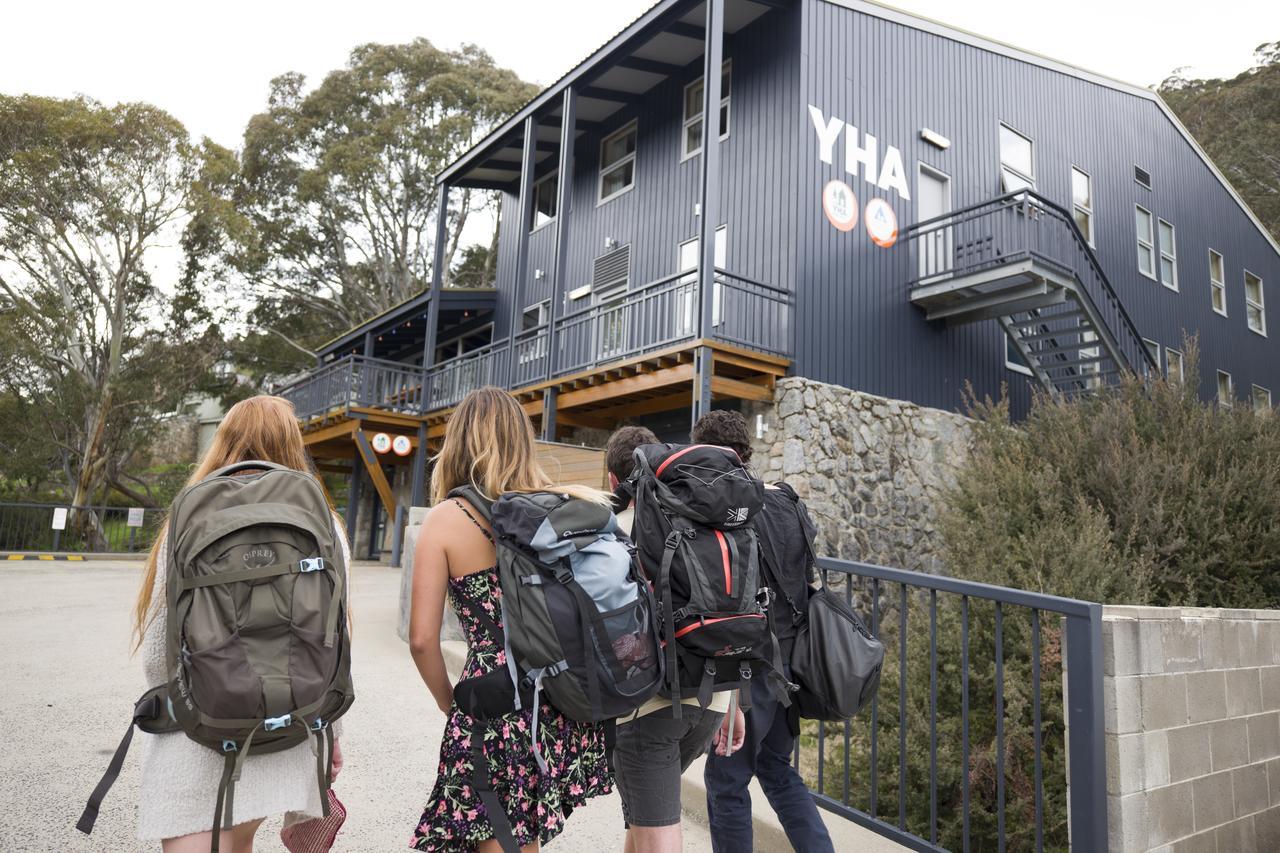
(861, 154)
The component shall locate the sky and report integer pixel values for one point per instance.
(209, 64)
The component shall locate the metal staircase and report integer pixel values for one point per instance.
(1021, 260)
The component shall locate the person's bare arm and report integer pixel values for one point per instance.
(426, 610)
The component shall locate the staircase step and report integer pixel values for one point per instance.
(1066, 348)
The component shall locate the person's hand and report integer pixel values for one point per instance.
(739, 733)
(337, 760)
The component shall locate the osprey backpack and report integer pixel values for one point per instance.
(694, 507)
(257, 646)
(577, 624)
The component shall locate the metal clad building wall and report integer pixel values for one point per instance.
(657, 214)
(855, 325)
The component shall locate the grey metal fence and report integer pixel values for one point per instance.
(965, 746)
(85, 529)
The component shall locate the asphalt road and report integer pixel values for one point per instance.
(67, 686)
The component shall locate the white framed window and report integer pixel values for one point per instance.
(1154, 348)
(1261, 400)
(545, 193)
(533, 345)
(1217, 283)
(611, 321)
(1226, 393)
(1017, 163)
(686, 307)
(1173, 365)
(1013, 359)
(1168, 256)
(1082, 202)
(618, 162)
(691, 139)
(1254, 307)
(1146, 241)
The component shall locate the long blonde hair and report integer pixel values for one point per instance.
(489, 445)
(261, 427)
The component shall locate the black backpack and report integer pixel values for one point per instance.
(580, 623)
(694, 506)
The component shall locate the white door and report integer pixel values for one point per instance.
(933, 198)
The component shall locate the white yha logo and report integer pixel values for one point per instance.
(887, 175)
(739, 515)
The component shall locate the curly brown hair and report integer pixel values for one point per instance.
(619, 452)
(724, 428)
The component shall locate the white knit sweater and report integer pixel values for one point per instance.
(180, 777)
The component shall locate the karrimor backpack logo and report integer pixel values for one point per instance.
(738, 515)
(259, 556)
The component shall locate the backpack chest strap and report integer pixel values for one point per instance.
(304, 566)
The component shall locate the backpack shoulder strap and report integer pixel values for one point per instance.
(472, 495)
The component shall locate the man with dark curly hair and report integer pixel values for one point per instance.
(786, 533)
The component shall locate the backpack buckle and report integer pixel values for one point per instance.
(311, 564)
(318, 725)
(228, 746)
(272, 724)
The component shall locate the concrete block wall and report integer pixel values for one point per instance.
(1192, 729)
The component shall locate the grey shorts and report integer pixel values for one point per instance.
(651, 753)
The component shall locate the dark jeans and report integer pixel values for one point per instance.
(766, 753)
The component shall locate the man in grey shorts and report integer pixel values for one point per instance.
(653, 749)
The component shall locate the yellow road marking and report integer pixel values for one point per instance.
(74, 557)
(46, 557)
(16, 557)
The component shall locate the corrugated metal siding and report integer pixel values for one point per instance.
(856, 326)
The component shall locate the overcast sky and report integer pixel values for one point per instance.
(209, 63)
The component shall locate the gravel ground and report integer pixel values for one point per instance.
(69, 685)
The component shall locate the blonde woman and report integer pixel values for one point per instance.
(180, 776)
(489, 445)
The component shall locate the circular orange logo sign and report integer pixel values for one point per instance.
(840, 205)
(882, 222)
(401, 445)
(381, 442)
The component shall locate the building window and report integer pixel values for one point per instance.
(1253, 304)
(1217, 283)
(1261, 400)
(693, 95)
(1168, 256)
(1017, 167)
(1154, 349)
(533, 344)
(1146, 243)
(1173, 365)
(618, 163)
(1226, 395)
(544, 201)
(1082, 202)
(686, 302)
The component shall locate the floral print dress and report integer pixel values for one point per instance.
(537, 804)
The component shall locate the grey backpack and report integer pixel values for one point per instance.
(257, 646)
(578, 624)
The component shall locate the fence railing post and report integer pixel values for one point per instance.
(1086, 745)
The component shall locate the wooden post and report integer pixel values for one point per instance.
(374, 467)
(420, 468)
(527, 165)
(437, 286)
(564, 193)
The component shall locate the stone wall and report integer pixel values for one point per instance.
(1192, 729)
(871, 470)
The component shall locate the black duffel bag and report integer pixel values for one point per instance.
(836, 661)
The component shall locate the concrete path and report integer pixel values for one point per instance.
(69, 686)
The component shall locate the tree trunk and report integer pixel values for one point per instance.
(90, 477)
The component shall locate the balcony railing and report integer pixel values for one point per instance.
(658, 315)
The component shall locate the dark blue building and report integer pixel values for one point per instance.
(890, 204)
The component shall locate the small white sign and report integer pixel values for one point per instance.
(136, 514)
(401, 445)
(882, 223)
(60, 518)
(381, 442)
(840, 205)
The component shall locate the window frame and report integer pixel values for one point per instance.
(1254, 397)
(1170, 256)
(1260, 305)
(1086, 209)
(1168, 365)
(543, 307)
(632, 126)
(689, 278)
(1231, 389)
(555, 200)
(1149, 244)
(1150, 344)
(1030, 180)
(726, 70)
(1219, 286)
